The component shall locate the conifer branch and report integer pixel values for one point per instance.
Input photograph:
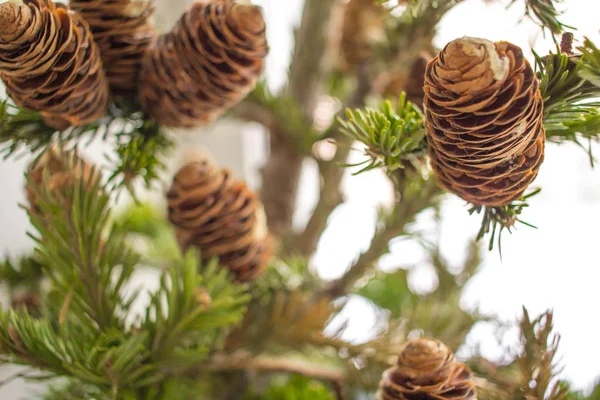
(545, 14)
(415, 194)
(242, 361)
(139, 144)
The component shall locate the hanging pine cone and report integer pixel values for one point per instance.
(363, 26)
(123, 33)
(56, 171)
(220, 216)
(484, 121)
(50, 63)
(427, 370)
(209, 61)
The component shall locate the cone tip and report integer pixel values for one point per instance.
(250, 16)
(467, 46)
(14, 14)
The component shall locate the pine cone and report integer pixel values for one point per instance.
(209, 61)
(484, 121)
(60, 169)
(363, 26)
(123, 32)
(50, 63)
(220, 216)
(427, 370)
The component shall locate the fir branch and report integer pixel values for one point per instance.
(77, 254)
(392, 137)
(138, 142)
(245, 361)
(189, 311)
(415, 194)
(545, 14)
(500, 218)
(537, 361)
(571, 103)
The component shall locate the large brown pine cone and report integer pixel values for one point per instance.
(363, 25)
(123, 32)
(221, 216)
(56, 171)
(209, 61)
(50, 63)
(484, 116)
(427, 370)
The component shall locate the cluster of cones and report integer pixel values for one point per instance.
(65, 62)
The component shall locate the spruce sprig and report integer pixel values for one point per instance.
(139, 143)
(545, 14)
(392, 136)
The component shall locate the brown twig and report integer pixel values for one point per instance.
(409, 203)
(243, 361)
(331, 173)
(281, 173)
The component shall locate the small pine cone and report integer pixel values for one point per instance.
(60, 169)
(363, 26)
(427, 370)
(49, 63)
(484, 115)
(220, 216)
(123, 32)
(209, 61)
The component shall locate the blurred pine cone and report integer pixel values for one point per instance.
(411, 83)
(484, 116)
(49, 63)
(427, 370)
(363, 26)
(209, 61)
(122, 30)
(220, 216)
(56, 171)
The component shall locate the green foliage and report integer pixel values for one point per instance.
(438, 313)
(393, 137)
(91, 335)
(187, 313)
(545, 14)
(500, 218)
(138, 142)
(26, 271)
(571, 102)
(296, 387)
(590, 65)
(150, 231)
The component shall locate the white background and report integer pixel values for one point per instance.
(556, 266)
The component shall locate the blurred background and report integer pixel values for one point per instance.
(554, 267)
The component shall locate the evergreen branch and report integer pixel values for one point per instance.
(590, 62)
(500, 218)
(392, 137)
(137, 140)
(189, 311)
(536, 362)
(545, 14)
(245, 361)
(76, 254)
(415, 194)
(294, 324)
(571, 103)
